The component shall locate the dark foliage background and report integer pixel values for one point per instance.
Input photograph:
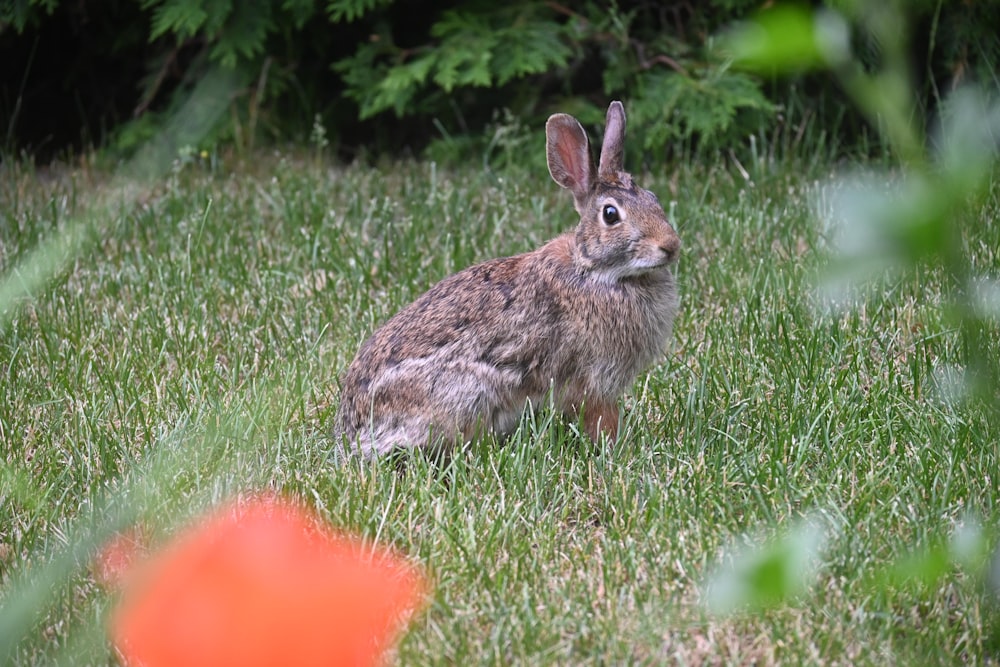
(455, 77)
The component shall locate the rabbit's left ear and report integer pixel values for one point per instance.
(613, 148)
(568, 153)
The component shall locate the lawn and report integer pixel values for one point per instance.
(189, 348)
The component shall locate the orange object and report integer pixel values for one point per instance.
(116, 559)
(265, 584)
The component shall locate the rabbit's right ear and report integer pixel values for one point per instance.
(613, 148)
(568, 152)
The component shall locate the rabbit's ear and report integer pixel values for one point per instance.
(613, 148)
(568, 152)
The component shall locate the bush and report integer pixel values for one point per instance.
(404, 67)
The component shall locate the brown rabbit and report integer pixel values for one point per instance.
(581, 317)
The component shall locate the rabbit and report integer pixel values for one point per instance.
(580, 317)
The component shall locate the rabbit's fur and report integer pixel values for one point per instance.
(581, 316)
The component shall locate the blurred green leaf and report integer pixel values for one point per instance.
(967, 549)
(968, 139)
(789, 38)
(876, 224)
(18, 486)
(969, 544)
(879, 221)
(769, 575)
(923, 567)
(985, 299)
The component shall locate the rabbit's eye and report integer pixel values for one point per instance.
(610, 215)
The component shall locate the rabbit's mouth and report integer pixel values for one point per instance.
(636, 268)
(644, 266)
(656, 256)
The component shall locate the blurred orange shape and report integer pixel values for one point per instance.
(265, 583)
(116, 559)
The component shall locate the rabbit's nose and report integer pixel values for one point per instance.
(671, 246)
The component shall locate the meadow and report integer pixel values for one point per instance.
(188, 349)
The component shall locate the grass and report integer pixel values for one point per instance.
(191, 352)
